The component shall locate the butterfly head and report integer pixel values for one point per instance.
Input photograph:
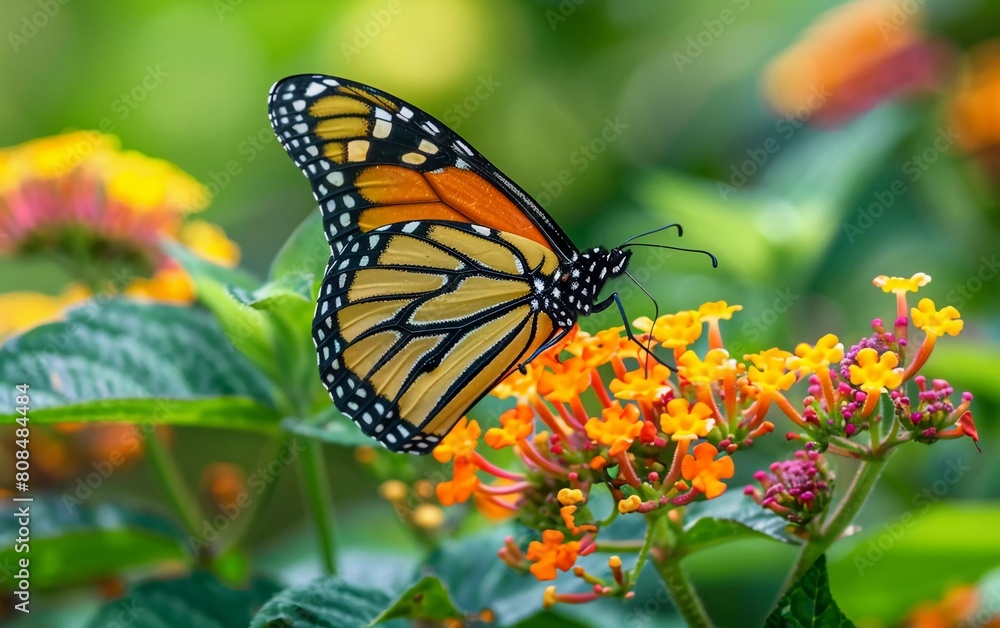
(587, 274)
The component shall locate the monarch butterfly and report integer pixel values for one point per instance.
(444, 275)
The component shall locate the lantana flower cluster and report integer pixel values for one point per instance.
(600, 410)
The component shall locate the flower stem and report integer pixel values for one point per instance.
(246, 520)
(317, 488)
(682, 593)
(661, 541)
(173, 484)
(831, 529)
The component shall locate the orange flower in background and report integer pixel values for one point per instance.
(973, 110)
(705, 472)
(852, 58)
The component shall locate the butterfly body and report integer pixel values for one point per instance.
(444, 276)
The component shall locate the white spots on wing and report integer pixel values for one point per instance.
(348, 201)
(406, 113)
(481, 230)
(427, 147)
(382, 129)
(345, 219)
(462, 146)
(336, 178)
(298, 105)
(364, 261)
(301, 128)
(461, 164)
(343, 281)
(315, 89)
(414, 158)
(373, 241)
(382, 114)
(410, 227)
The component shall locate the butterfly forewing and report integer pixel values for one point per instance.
(373, 160)
(417, 321)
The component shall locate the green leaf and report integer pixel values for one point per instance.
(278, 293)
(809, 602)
(236, 413)
(121, 349)
(329, 426)
(945, 543)
(72, 542)
(731, 517)
(427, 599)
(324, 603)
(305, 252)
(478, 580)
(199, 600)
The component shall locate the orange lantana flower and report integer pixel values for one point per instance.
(647, 384)
(552, 553)
(705, 472)
(460, 442)
(619, 427)
(682, 421)
(516, 424)
(462, 485)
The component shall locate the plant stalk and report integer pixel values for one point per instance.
(173, 484)
(831, 529)
(317, 489)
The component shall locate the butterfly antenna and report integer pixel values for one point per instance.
(656, 315)
(715, 260)
(680, 232)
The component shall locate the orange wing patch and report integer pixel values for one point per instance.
(483, 204)
(402, 194)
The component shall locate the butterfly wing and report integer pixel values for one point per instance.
(417, 321)
(373, 160)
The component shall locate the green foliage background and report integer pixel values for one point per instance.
(187, 81)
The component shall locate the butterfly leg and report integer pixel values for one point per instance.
(614, 299)
(545, 347)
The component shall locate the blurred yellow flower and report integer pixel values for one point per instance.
(20, 311)
(209, 242)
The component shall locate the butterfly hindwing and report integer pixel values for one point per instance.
(417, 321)
(373, 159)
